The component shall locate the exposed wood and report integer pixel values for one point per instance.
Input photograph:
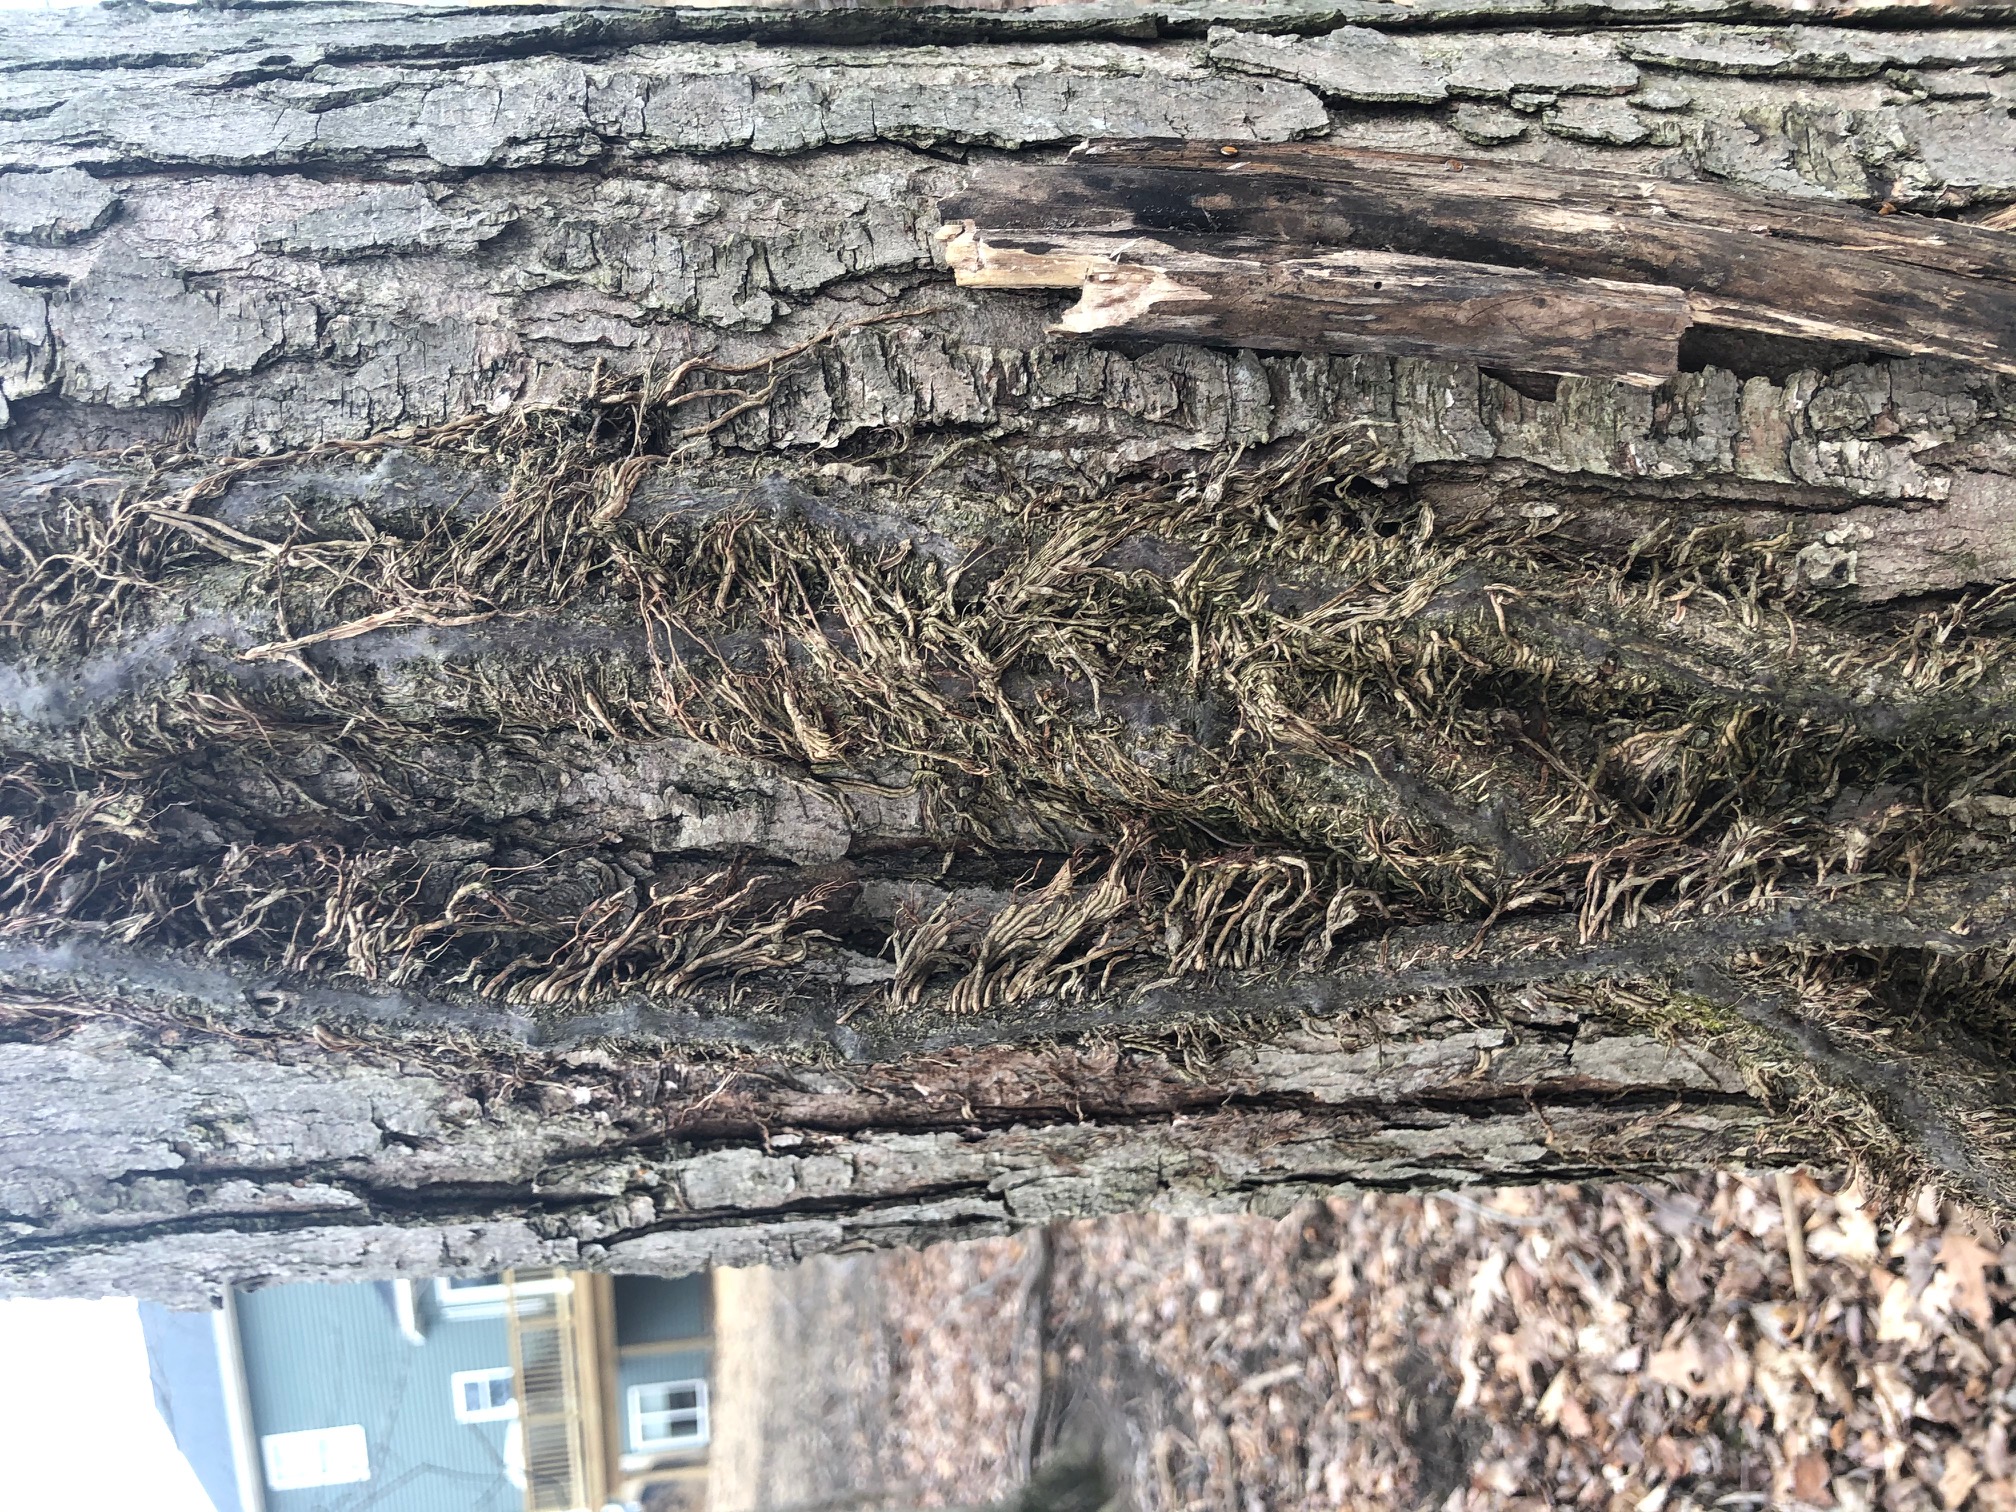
(1785, 267)
(1831, 227)
(1232, 292)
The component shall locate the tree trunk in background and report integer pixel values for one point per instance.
(568, 698)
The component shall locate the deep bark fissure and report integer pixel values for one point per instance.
(473, 1203)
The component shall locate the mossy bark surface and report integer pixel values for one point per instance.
(566, 697)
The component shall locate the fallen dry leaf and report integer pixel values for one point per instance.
(1850, 1236)
(1967, 1261)
(1958, 1480)
(1809, 1479)
(1702, 1364)
(1561, 1347)
(1898, 1320)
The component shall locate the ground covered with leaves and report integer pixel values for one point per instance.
(1618, 1347)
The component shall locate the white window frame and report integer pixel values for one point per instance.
(312, 1457)
(633, 1402)
(492, 1414)
(491, 1301)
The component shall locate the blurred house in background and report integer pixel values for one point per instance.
(547, 1391)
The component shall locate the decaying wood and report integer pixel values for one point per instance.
(1235, 292)
(1783, 267)
(569, 695)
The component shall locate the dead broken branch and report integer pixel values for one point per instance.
(1312, 246)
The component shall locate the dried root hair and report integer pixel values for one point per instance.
(1418, 726)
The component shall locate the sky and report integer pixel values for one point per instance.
(78, 1429)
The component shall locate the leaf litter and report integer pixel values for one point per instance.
(1626, 1347)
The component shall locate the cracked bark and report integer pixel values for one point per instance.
(992, 776)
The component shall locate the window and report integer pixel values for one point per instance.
(494, 1281)
(315, 1457)
(484, 1396)
(668, 1415)
(486, 1296)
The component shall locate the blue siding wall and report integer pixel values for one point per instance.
(325, 1356)
(653, 1308)
(189, 1391)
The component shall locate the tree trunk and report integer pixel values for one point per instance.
(570, 697)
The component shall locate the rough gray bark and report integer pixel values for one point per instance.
(568, 698)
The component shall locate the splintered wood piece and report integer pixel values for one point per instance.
(1223, 292)
(1802, 268)
(1920, 240)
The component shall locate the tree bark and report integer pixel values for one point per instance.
(568, 697)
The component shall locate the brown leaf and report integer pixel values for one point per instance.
(1995, 1450)
(1897, 1319)
(1560, 1406)
(1701, 1364)
(1669, 1457)
(1810, 1479)
(1966, 1261)
(1518, 1354)
(1960, 1478)
(1942, 1405)
(1891, 1391)
(1850, 1235)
